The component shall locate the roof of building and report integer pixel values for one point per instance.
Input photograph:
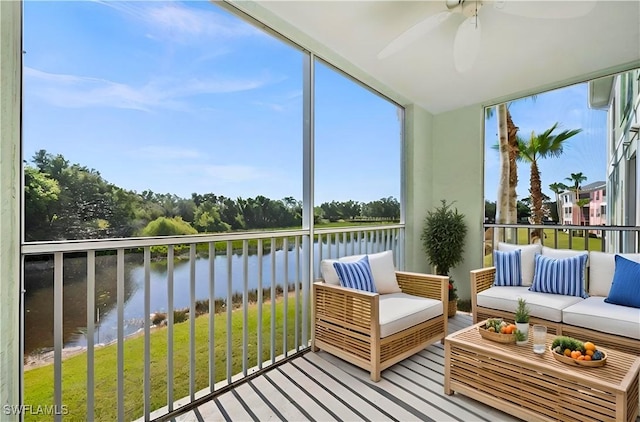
(594, 186)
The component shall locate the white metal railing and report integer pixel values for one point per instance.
(615, 239)
(225, 265)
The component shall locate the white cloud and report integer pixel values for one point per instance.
(71, 91)
(175, 21)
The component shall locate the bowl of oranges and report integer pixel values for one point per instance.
(496, 329)
(577, 353)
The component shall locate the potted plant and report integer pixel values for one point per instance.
(443, 238)
(522, 320)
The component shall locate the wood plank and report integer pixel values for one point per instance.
(297, 395)
(359, 381)
(232, 407)
(278, 400)
(319, 391)
(327, 388)
(341, 393)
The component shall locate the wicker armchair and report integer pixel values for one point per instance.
(347, 323)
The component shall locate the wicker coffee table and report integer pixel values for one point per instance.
(537, 387)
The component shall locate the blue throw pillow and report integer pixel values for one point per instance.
(356, 275)
(625, 289)
(560, 276)
(507, 268)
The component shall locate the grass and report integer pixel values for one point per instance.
(578, 243)
(38, 382)
(182, 251)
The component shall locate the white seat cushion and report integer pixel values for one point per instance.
(399, 311)
(541, 305)
(382, 269)
(601, 270)
(527, 259)
(595, 314)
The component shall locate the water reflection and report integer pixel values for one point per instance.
(39, 286)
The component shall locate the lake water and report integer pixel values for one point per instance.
(39, 286)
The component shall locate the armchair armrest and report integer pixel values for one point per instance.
(425, 285)
(349, 308)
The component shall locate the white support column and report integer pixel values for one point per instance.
(10, 188)
(308, 184)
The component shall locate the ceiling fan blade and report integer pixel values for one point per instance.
(412, 34)
(466, 45)
(546, 9)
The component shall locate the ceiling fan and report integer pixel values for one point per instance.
(466, 44)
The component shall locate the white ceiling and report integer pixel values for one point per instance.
(518, 55)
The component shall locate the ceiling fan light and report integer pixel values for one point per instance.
(466, 45)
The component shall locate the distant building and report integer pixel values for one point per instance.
(592, 213)
(620, 95)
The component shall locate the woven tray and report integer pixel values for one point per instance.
(497, 337)
(571, 361)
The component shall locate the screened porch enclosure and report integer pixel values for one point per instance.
(438, 114)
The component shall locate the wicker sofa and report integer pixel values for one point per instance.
(609, 325)
(377, 330)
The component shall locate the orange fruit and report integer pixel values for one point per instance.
(567, 352)
(589, 346)
(581, 357)
(587, 357)
(503, 330)
(589, 352)
(576, 354)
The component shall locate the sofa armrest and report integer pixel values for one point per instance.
(349, 308)
(424, 285)
(481, 280)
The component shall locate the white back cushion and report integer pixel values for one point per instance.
(382, 269)
(601, 269)
(329, 273)
(527, 258)
(561, 253)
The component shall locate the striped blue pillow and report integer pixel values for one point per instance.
(356, 275)
(507, 265)
(560, 276)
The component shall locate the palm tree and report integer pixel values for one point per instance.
(557, 188)
(577, 179)
(542, 146)
(508, 148)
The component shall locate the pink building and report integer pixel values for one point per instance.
(594, 213)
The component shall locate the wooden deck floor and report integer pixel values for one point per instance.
(320, 387)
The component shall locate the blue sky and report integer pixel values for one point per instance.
(585, 152)
(182, 97)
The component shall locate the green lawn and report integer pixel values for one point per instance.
(577, 243)
(221, 247)
(38, 382)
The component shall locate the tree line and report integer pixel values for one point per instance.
(71, 201)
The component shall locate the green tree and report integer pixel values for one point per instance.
(41, 192)
(164, 226)
(541, 146)
(577, 179)
(557, 188)
(489, 211)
